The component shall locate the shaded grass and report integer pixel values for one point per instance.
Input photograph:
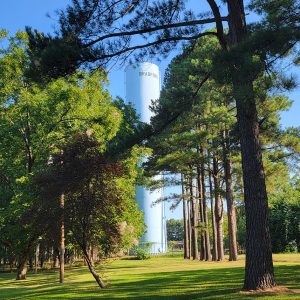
(161, 277)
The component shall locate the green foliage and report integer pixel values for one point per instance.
(37, 122)
(142, 254)
(211, 112)
(285, 218)
(175, 230)
(100, 209)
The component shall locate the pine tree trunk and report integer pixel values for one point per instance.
(218, 211)
(231, 211)
(189, 225)
(194, 221)
(200, 196)
(205, 218)
(185, 222)
(62, 241)
(213, 219)
(259, 272)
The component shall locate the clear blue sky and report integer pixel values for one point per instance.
(16, 14)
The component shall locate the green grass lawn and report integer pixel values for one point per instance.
(161, 277)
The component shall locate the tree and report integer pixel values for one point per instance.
(100, 211)
(36, 121)
(212, 121)
(90, 33)
(174, 230)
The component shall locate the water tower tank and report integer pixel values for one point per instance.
(142, 83)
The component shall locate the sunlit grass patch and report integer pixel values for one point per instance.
(161, 277)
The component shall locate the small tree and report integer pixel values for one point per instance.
(100, 210)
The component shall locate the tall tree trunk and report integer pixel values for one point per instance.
(231, 211)
(205, 218)
(194, 221)
(200, 196)
(62, 241)
(91, 268)
(213, 218)
(185, 222)
(259, 272)
(189, 224)
(218, 211)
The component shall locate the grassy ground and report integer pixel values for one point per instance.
(161, 277)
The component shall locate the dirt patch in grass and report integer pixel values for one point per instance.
(274, 290)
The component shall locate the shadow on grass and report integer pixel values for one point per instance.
(215, 283)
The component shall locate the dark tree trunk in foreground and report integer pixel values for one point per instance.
(231, 211)
(213, 219)
(218, 211)
(62, 241)
(259, 265)
(91, 268)
(185, 222)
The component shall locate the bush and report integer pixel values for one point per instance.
(291, 247)
(142, 254)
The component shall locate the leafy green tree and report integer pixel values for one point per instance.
(174, 230)
(36, 122)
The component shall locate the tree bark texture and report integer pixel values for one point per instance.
(259, 272)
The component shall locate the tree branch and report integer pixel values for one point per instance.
(218, 20)
(170, 39)
(156, 28)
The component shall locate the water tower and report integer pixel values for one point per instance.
(142, 83)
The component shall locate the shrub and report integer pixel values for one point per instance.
(142, 254)
(291, 247)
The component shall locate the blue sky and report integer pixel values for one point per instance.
(16, 14)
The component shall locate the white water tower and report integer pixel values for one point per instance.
(142, 83)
